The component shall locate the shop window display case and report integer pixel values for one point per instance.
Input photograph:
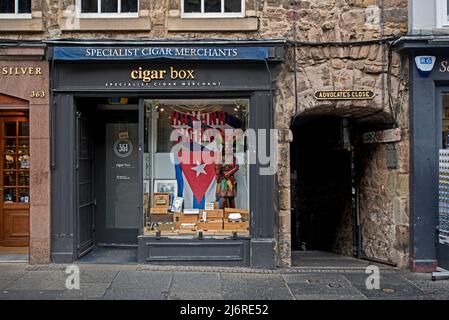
(196, 177)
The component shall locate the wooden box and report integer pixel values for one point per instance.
(212, 214)
(210, 225)
(161, 218)
(188, 232)
(159, 211)
(236, 226)
(165, 226)
(244, 212)
(179, 218)
(160, 200)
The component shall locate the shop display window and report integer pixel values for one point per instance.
(195, 167)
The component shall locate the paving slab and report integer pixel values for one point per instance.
(433, 287)
(40, 280)
(324, 279)
(324, 291)
(97, 276)
(11, 275)
(196, 282)
(254, 287)
(159, 281)
(195, 296)
(86, 291)
(386, 278)
(30, 294)
(5, 283)
(329, 297)
(392, 292)
(133, 294)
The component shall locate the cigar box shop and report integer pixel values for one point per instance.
(137, 131)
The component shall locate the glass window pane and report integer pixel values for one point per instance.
(24, 195)
(10, 143)
(24, 162)
(10, 129)
(89, 6)
(7, 6)
(24, 178)
(9, 195)
(129, 6)
(24, 129)
(212, 5)
(24, 6)
(192, 6)
(233, 5)
(9, 161)
(215, 188)
(109, 6)
(9, 178)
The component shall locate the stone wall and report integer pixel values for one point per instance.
(303, 23)
(384, 192)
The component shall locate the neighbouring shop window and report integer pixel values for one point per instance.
(108, 8)
(196, 167)
(213, 8)
(16, 162)
(15, 8)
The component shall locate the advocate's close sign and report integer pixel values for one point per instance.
(344, 95)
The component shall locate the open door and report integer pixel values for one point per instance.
(85, 197)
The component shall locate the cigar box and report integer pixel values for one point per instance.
(236, 226)
(158, 210)
(212, 214)
(180, 218)
(161, 200)
(210, 225)
(243, 212)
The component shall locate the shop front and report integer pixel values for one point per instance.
(24, 150)
(429, 98)
(153, 147)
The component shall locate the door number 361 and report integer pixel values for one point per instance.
(37, 94)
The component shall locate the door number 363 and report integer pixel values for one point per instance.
(38, 94)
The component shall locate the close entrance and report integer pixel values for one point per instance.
(107, 174)
(321, 163)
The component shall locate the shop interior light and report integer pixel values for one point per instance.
(117, 100)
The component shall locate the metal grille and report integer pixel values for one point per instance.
(85, 194)
(443, 225)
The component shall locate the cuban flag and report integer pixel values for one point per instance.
(196, 179)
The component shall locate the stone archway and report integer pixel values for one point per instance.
(382, 189)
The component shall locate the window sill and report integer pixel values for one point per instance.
(215, 24)
(103, 24)
(27, 24)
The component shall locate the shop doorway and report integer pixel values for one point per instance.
(14, 185)
(107, 167)
(321, 186)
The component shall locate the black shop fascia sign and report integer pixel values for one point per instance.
(164, 67)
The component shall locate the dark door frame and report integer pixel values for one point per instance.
(441, 249)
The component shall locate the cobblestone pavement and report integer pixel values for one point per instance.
(22, 281)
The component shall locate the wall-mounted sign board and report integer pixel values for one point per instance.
(384, 136)
(344, 95)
